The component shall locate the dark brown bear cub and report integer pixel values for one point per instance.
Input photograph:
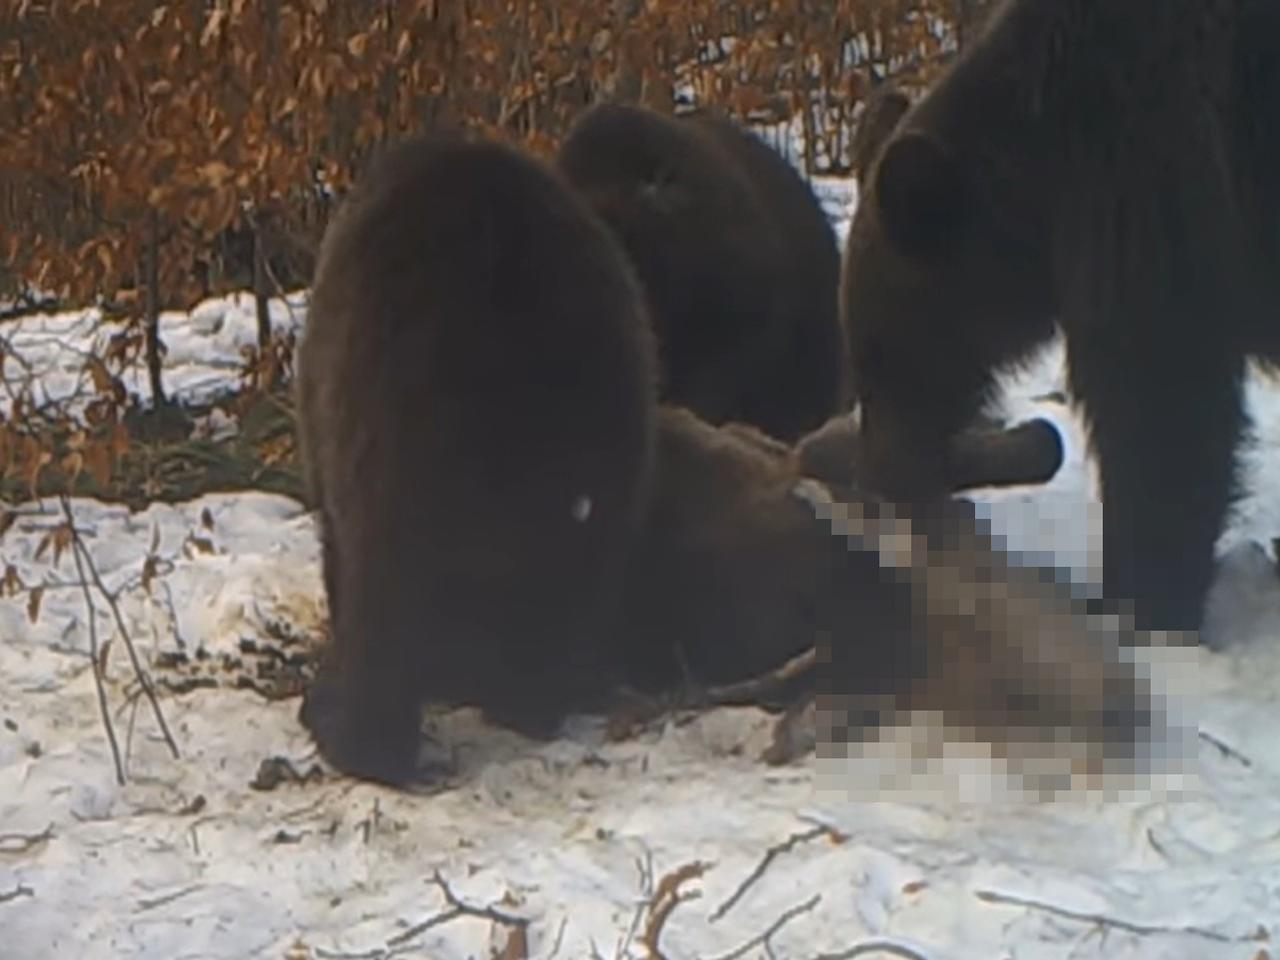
(476, 395)
(738, 261)
(1111, 166)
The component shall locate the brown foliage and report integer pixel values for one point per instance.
(139, 135)
(205, 112)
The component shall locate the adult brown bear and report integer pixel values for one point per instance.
(477, 411)
(739, 263)
(1113, 167)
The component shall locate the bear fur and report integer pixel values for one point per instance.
(508, 519)
(1110, 170)
(730, 568)
(476, 394)
(740, 265)
(735, 576)
(881, 112)
(725, 578)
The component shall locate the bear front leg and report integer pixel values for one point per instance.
(364, 706)
(1165, 419)
(360, 733)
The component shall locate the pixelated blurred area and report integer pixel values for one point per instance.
(965, 653)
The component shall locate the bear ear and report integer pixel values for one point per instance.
(922, 196)
(885, 107)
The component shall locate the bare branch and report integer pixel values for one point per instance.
(22, 842)
(21, 890)
(770, 855)
(666, 898)
(1225, 749)
(457, 908)
(764, 938)
(868, 947)
(98, 681)
(1141, 929)
(747, 690)
(140, 673)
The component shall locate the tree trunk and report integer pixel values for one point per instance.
(151, 322)
(628, 79)
(261, 294)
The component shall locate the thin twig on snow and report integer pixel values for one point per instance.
(99, 682)
(456, 909)
(868, 947)
(80, 550)
(763, 939)
(1102, 920)
(770, 855)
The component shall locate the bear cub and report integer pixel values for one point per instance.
(479, 484)
(738, 261)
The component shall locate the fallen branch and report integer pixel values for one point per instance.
(559, 941)
(1098, 919)
(1225, 749)
(770, 855)
(377, 953)
(645, 869)
(752, 689)
(875, 946)
(691, 704)
(99, 682)
(763, 940)
(150, 903)
(22, 842)
(666, 898)
(457, 909)
(21, 890)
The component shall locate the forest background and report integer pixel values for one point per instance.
(153, 155)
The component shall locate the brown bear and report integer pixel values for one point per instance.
(810, 268)
(1110, 170)
(724, 580)
(739, 263)
(476, 394)
(735, 577)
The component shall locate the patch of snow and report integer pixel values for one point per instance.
(202, 349)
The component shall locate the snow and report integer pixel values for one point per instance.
(203, 347)
(189, 860)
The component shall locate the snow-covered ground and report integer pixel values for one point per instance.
(203, 349)
(199, 856)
